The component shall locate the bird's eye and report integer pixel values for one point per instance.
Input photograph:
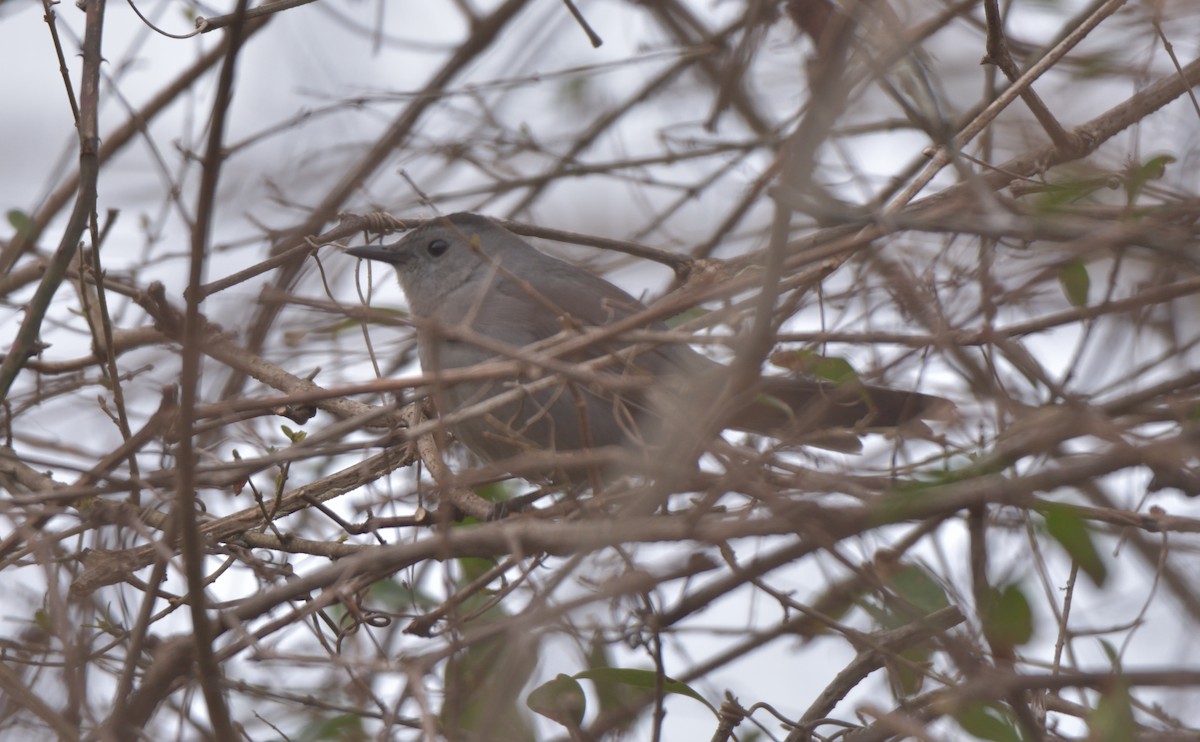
(437, 248)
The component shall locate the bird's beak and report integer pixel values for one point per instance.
(393, 253)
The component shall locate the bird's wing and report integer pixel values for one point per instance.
(568, 296)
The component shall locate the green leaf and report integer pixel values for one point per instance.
(964, 469)
(1073, 277)
(21, 222)
(1110, 651)
(1112, 721)
(1153, 169)
(908, 676)
(1007, 618)
(921, 593)
(686, 316)
(1156, 167)
(495, 491)
(341, 728)
(986, 722)
(610, 696)
(643, 679)
(482, 689)
(1053, 198)
(574, 91)
(1068, 529)
(560, 700)
(914, 583)
(473, 568)
(400, 596)
(775, 403)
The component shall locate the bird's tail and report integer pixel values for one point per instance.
(791, 408)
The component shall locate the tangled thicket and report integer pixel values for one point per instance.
(228, 511)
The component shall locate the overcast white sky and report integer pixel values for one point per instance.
(309, 61)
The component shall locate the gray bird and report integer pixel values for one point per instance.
(467, 278)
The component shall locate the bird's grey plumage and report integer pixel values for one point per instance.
(466, 271)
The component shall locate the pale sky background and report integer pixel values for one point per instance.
(309, 61)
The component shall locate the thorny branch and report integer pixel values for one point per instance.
(228, 452)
